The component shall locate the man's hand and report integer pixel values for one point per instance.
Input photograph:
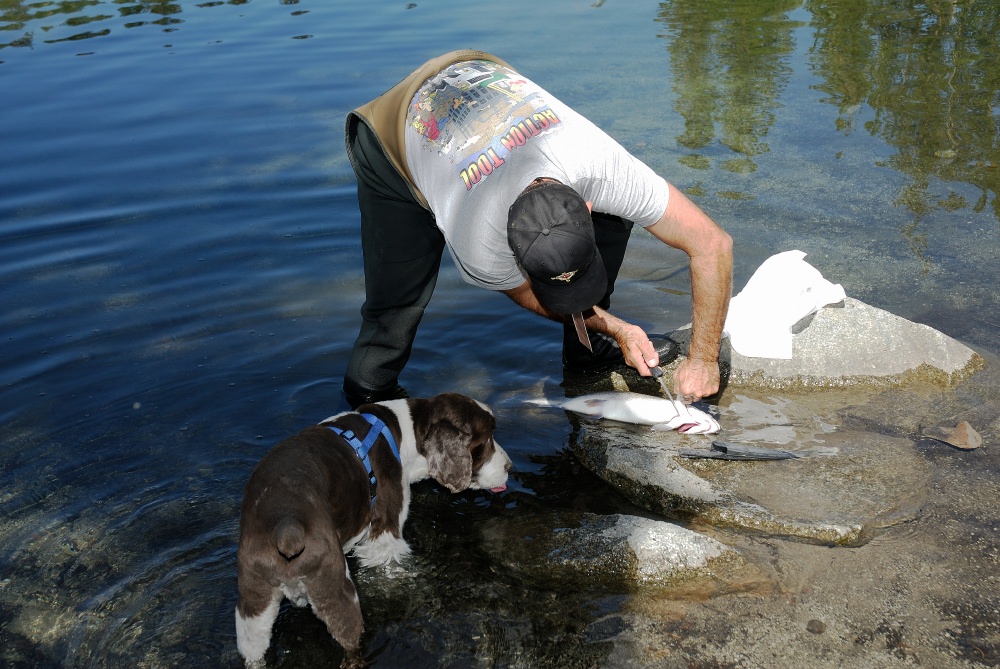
(638, 351)
(694, 379)
(636, 348)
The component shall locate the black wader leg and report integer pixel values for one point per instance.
(402, 249)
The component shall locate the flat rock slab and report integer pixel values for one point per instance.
(612, 550)
(853, 401)
(864, 460)
(848, 482)
(850, 344)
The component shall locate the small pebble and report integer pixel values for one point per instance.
(962, 436)
(816, 626)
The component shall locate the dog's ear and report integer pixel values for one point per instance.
(449, 461)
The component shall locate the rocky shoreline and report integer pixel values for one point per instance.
(840, 557)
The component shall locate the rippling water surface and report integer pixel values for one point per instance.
(180, 275)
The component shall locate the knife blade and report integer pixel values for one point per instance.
(581, 331)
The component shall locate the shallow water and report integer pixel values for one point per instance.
(180, 275)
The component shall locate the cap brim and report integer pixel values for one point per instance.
(586, 290)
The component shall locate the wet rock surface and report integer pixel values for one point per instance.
(852, 403)
(845, 485)
(615, 550)
(879, 546)
(919, 593)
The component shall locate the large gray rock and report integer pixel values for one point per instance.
(850, 344)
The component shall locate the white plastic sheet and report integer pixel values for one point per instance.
(784, 290)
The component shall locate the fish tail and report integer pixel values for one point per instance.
(541, 402)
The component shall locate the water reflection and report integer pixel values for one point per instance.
(45, 16)
(730, 65)
(920, 76)
(929, 73)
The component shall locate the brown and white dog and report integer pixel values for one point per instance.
(308, 503)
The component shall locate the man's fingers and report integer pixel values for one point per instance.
(695, 379)
(647, 354)
(652, 359)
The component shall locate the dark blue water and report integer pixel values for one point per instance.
(180, 279)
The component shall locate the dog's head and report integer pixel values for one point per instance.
(455, 435)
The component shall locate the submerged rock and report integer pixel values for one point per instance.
(845, 484)
(613, 550)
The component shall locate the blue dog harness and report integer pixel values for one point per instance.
(361, 448)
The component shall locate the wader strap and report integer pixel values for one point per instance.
(386, 115)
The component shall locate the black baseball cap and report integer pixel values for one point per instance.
(550, 231)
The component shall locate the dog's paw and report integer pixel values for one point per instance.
(381, 550)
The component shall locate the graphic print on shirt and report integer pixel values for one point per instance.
(477, 114)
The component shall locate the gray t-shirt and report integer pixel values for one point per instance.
(478, 133)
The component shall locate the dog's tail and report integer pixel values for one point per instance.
(290, 537)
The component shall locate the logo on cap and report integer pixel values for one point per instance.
(565, 276)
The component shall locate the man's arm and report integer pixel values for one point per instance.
(686, 227)
(636, 348)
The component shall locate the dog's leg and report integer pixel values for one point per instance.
(334, 600)
(381, 550)
(255, 615)
(385, 543)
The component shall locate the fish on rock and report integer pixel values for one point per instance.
(640, 409)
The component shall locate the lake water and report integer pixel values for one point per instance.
(180, 275)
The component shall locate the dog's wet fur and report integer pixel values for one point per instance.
(308, 503)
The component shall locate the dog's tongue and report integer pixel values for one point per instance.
(499, 488)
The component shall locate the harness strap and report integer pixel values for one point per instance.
(361, 448)
(383, 429)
